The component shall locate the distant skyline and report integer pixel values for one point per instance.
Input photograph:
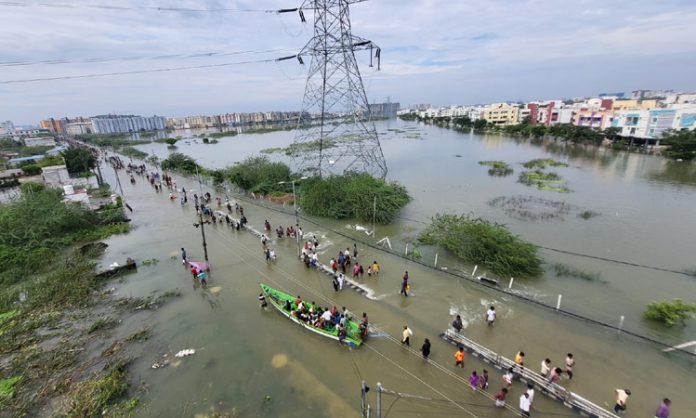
(433, 51)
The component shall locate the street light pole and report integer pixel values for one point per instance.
(200, 218)
(297, 218)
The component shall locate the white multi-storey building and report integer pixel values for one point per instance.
(110, 124)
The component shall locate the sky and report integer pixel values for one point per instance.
(440, 52)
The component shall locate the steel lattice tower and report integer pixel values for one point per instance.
(335, 130)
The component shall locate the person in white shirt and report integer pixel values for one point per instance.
(490, 315)
(407, 334)
(525, 404)
(545, 367)
(530, 392)
(326, 316)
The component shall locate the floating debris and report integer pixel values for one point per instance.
(185, 353)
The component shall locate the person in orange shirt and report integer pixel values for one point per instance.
(459, 358)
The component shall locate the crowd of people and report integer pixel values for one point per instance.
(328, 319)
(333, 319)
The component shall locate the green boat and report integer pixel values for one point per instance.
(278, 299)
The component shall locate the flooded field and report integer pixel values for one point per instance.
(251, 362)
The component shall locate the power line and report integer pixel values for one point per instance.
(137, 57)
(126, 8)
(156, 70)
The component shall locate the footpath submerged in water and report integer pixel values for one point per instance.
(552, 390)
(524, 375)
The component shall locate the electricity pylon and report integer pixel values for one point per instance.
(335, 130)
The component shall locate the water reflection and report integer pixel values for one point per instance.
(673, 172)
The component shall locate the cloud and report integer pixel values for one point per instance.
(432, 50)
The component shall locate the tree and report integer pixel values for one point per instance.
(537, 131)
(612, 132)
(682, 145)
(180, 162)
(171, 141)
(79, 160)
(480, 124)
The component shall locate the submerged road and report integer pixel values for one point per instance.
(246, 354)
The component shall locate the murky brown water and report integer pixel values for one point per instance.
(645, 207)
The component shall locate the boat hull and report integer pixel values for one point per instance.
(278, 298)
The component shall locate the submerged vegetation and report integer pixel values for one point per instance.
(588, 214)
(563, 270)
(542, 163)
(532, 208)
(497, 168)
(670, 313)
(480, 241)
(543, 181)
(46, 284)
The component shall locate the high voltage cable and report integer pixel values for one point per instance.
(149, 8)
(137, 57)
(156, 70)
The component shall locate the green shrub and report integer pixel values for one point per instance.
(670, 313)
(31, 169)
(259, 175)
(480, 241)
(352, 195)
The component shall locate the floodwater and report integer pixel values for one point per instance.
(251, 362)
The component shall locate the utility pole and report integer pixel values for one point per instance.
(297, 216)
(201, 222)
(335, 128)
(364, 404)
(379, 400)
(374, 216)
(118, 180)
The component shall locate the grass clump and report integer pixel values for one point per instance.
(91, 398)
(102, 324)
(563, 270)
(352, 195)
(542, 163)
(543, 181)
(129, 151)
(7, 387)
(480, 241)
(497, 168)
(670, 313)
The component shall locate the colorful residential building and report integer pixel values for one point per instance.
(645, 104)
(633, 123)
(501, 114)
